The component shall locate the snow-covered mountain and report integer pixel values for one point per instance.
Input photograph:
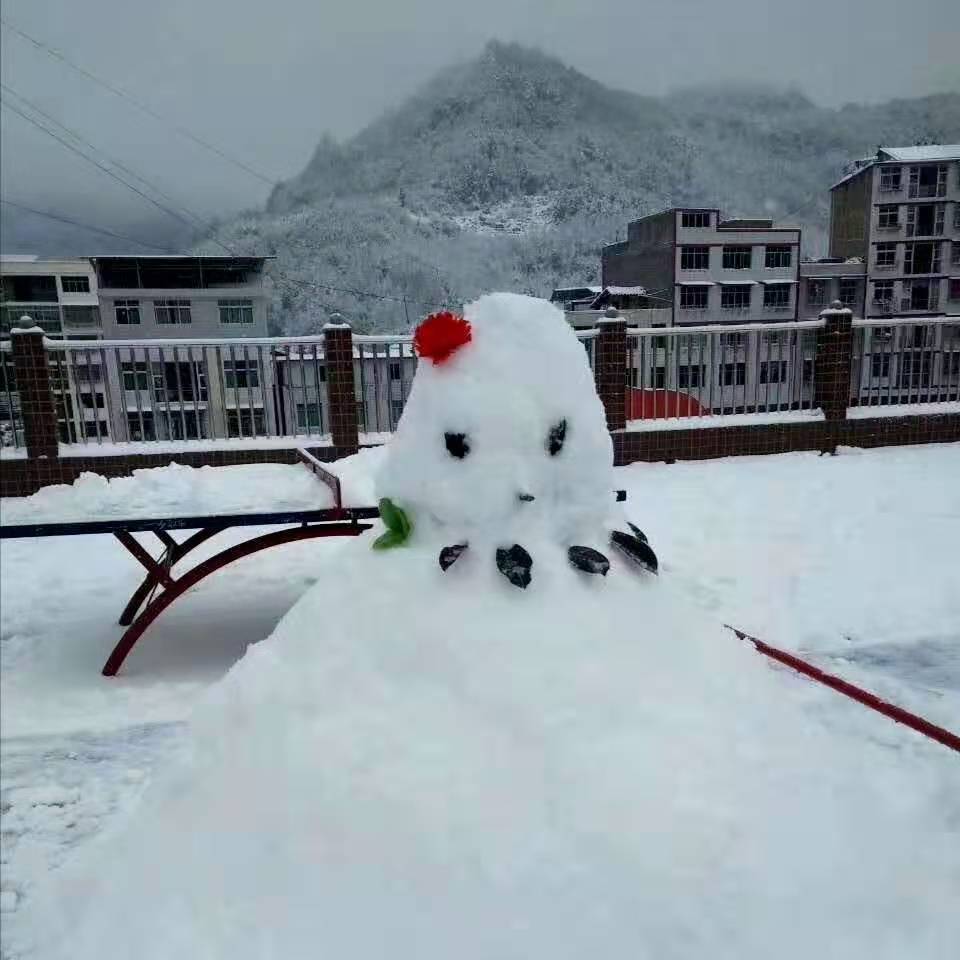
(510, 172)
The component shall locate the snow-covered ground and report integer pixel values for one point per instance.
(852, 559)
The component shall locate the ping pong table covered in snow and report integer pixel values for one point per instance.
(160, 587)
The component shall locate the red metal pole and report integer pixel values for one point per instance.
(848, 689)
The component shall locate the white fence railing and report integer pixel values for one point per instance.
(692, 372)
(912, 361)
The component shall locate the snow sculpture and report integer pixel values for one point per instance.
(504, 444)
(424, 761)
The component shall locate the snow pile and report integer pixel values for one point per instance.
(446, 766)
(435, 764)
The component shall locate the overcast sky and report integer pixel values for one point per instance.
(265, 79)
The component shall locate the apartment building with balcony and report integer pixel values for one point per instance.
(59, 295)
(899, 212)
(710, 270)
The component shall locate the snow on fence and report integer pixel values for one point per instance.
(912, 361)
(157, 394)
(690, 373)
(159, 391)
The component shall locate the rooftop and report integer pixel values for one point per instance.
(932, 151)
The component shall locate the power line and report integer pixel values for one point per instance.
(84, 226)
(139, 104)
(110, 173)
(105, 156)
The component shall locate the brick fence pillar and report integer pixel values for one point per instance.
(610, 368)
(37, 404)
(834, 353)
(341, 390)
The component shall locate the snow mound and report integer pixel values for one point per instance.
(433, 764)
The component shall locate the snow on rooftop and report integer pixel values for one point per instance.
(625, 291)
(930, 151)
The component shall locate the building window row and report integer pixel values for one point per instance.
(178, 311)
(736, 257)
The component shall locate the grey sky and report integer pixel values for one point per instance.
(265, 79)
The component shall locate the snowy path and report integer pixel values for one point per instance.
(854, 560)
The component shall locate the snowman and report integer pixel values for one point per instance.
(493, 737)
(504, 439)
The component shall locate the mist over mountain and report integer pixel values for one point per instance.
(511, 170)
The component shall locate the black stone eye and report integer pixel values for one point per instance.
(555, 438)
(457, 445)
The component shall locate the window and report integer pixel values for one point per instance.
(737, 258)
(915, 370)
(816, 292)
(880, 365)
(733, 374)
(951, 364)
(929, 180)
(778, 256)
(246, 423)
(241, 373)
(691, 376)
(955, 254)
(733, 339)
(396, 409)
(954, 292)
(922, 257)
(127, 311)
(180, 380)
(925, 219)
(28, 289)
(135, 375)
(695, 219)
(309, 416)
(694, 258)
(886, 258)
(75, 284)
(808, 370)
(91, 400)
(773, 371)
(888, 216)
(361, 416)
(81, 316)
(94, 428)
(140, 426)
(883, 294)
(396, 371)
(735, 297)
(956, 216)
(172, 311)
(694, 298)
(890, 179)
(848, 291)
(776, 296)
(235, 311)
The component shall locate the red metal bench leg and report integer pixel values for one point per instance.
(180, 586)
(171, 556)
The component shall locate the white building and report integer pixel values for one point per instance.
(60, 295)
(710, 270)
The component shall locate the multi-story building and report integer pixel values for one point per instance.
(899, 212)
(59, 295)
(711, 270)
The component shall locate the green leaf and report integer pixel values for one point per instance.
(391, 515)
(388, 540)
(396, 520)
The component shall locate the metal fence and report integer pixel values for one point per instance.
(692, 372)
(11, 418)
(151, 391)
(910, 362)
